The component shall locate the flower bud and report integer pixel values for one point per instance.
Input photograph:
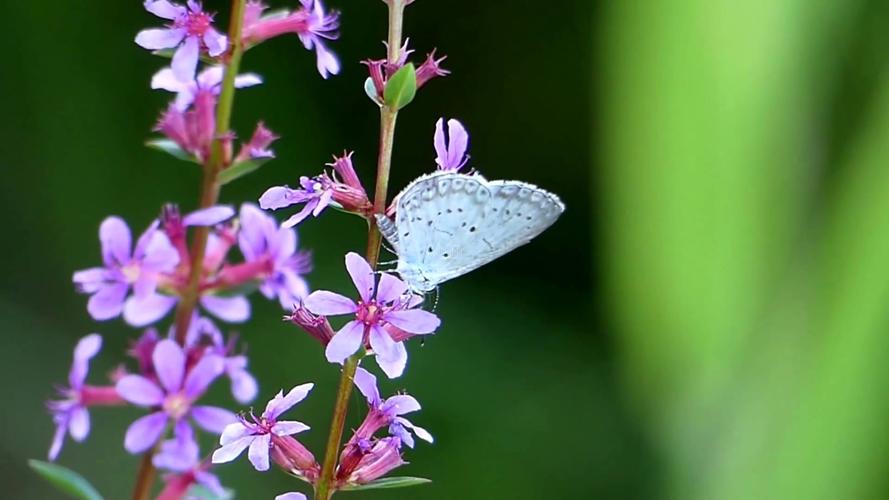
(316, 326)
(430, 68)
(346, 172)
(258, 147)
(382, 458)
(293, 457)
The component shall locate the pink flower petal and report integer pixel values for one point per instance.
(144, 432)
(345, 342)
(327, 303)
(160, 38)
(362, 275)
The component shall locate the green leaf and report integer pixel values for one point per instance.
(66, 480)
(239, 170)
(389, 482)
(201, 492)
(401, 88)
(171, 148)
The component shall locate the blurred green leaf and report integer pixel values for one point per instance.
(239, 170)
(401, 88)
(171, 148)
(389, 482)
(65, 480)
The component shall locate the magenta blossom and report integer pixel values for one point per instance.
(262, 241)
(451, 152)
(378, 459)
(316, 193)
(146, 309)
(257, 434)
(243, 384)
(381, 70)
(310, 23)
(258, 146)
(387, 412)
(180, 455)
(209, 80)
(386, 302)
(172, 396)
(194, 129)
(191, 30)
(125, 267)
(70, 413)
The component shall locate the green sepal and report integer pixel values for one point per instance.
(66, 480)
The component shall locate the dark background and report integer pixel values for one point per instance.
(707, 320)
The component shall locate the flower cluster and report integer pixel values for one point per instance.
(207, 262)
(146, 281)
(382, 69)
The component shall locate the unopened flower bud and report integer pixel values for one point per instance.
(346, 172)
(430, 68)
(293, 457)
(316, 326)
(258, 147)
(382, 458)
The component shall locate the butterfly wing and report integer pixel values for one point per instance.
(449, 224)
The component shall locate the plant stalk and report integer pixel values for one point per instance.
(210, 186)
(209, 196)
(325, 487)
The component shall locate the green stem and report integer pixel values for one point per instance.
(325, 487)
(209, 197)
(210, 186)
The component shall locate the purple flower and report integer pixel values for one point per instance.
(180, 454)
(386, 302)
(451, 151)
(381, 70)
(192, 130)
(243, 384)
(173, 397)
(316, 193)
(139, 267)
(258, 147)
(387, 412)
(209, 80)
(70, 413)
(320, 26)
(190, 30)
(257, 434)
(310, 23)
(262, 241)
(382, 456)
(291, 496)
(146, 309)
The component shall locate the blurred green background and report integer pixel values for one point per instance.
(708, 320)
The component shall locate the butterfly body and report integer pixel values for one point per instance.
(448, 224)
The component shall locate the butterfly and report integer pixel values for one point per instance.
(448, 224)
